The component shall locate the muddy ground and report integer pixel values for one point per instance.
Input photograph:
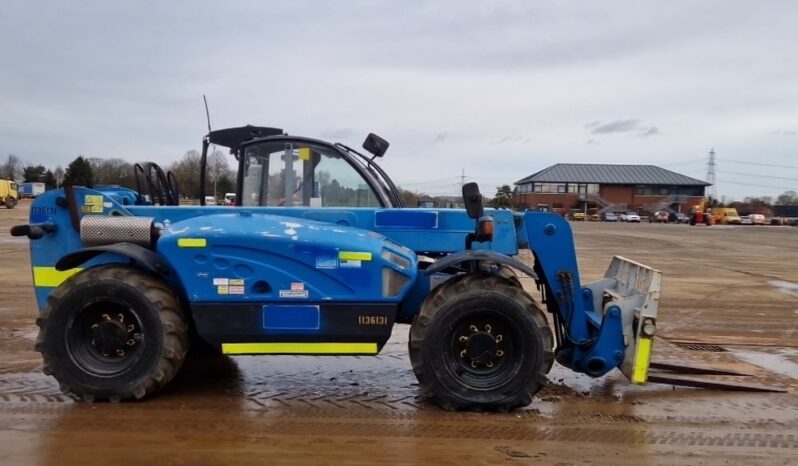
(729, 300)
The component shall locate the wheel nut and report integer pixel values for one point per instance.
(463, 339)
(93, 343)
(131, 342)
(130, 327)
(463, 354)
(474, 364)
(95, 326)
(105, 353)
(121, 317)
(473, 328)
(106, 317)
(488, 328)
(499, 338)
(489, 364)
(499, 353)
(120, 352)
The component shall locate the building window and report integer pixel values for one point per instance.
(551, 188)
(525, 188)
(556, 205)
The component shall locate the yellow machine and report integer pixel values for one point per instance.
(9, 194)
(725, 216)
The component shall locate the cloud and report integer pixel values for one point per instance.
(649, 131)
(785, 132)
(440, 137)
(617, 126)
(630, 125)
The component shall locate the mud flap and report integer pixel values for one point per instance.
(635, 289)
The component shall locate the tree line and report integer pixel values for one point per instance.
(93, 171)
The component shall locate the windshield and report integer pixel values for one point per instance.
(384, 182)
(297, 173)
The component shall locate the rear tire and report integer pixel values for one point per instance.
(112, 332)
(480, 342)
(11, 203)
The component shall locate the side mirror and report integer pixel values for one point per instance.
(376, 145)
(472, 199)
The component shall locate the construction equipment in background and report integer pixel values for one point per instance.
(725, 216)
(320, 256)
(700, 214)
(31, 190)
(9, 195)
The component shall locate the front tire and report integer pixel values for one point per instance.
(480, 342)
(11, 203)
(112, 332)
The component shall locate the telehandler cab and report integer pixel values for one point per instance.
(320, 256)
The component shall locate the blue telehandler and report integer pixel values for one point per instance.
(320, 256)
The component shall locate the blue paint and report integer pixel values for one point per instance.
(398, 218)
(302, 317)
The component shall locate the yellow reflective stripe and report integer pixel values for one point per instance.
(192, 242)
(354, 256)
(50, 277)
(642, 359)
(299, 348)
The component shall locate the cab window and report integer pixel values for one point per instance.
(299, 174)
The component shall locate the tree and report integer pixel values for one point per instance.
(787, 198)
(79, 172)
(218, 170)
(409, 197)
(33, 173)
(504, 197)
(112, 172)
(49, 180)
(187, 171)
(12, 169)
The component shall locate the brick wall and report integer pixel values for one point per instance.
(618, 194)
(614, 194)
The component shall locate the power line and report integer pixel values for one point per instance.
(759, 176)
(757, 185)
(440, 180)
(761, 164)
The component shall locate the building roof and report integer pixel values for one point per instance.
(610, 174)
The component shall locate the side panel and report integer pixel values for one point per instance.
(252, 257)
(313, 328)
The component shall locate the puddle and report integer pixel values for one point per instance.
(785, 287)
(779, 362)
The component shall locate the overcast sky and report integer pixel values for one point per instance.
(498, 89)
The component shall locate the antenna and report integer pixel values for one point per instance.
(711, 174)
(207, 113)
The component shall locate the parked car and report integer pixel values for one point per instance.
(757, 219)
(578, 217)
(609, 217)
(658, 217)
(631, 217)
(679, 217)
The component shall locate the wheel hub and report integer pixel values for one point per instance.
(481, 348)
(112, 337)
